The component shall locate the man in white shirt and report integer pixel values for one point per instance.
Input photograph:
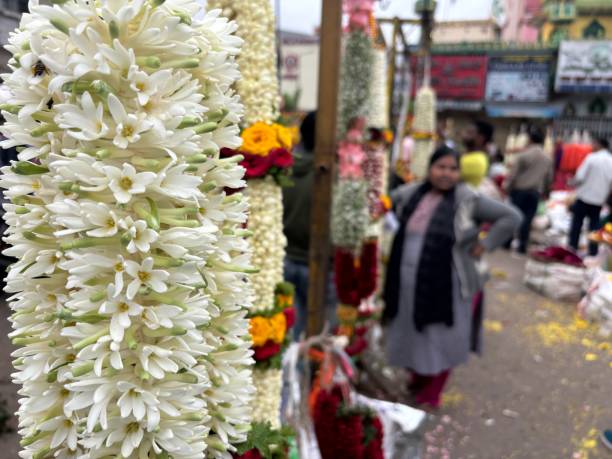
(594, 183)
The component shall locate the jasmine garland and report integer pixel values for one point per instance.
(130, 293)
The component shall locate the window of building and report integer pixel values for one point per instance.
(594, 30)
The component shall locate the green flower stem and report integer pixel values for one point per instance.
(41, 453)
(163, 332)
(44, 129)
(151, 62)
(43, 116)
(113, 29)
(166, 298)
(90, 340)
(217, 115)
(180, 223)
(205, 128)
(185, 63)
(189, 121)
(87, 242)
(13, 109)
(186, 378)
(60, 25)
(166, 262)
(83, 369)
(233, 268)
(197, 159)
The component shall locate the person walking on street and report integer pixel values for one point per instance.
(432, 277)
(594, 183)
(529, 181)
(475, 161)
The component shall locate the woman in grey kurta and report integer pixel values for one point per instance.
(433, 276)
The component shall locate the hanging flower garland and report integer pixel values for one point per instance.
(130, 292)
(424, 130)
(352, 203)
(266, 156)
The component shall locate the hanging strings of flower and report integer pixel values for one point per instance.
(351, 215)
(130, 292)
(267, 152)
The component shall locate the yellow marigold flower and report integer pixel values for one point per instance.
(261, 330)
(284, 136)
(259, 139)
(295, 134)
(278, 324)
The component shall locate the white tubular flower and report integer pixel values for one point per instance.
(130, 293)
(258, 86)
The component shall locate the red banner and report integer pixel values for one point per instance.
(458, 77)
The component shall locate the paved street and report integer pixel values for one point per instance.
(542, 389)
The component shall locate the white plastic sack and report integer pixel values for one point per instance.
(597, 304)
(555, 280)
(400, 425)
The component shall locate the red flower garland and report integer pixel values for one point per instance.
(267, 351)
(258, 166)
(344, 436)
(356, 280)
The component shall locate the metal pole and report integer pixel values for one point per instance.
(325, 154)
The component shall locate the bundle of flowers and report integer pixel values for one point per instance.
(266, 153)
(356, 277)
(350, 215)
(379, 100)
(130, 293)
(344, 430)
(424, 130)
(258, 85)
(270, 329)
(266, 150)
(355, 79)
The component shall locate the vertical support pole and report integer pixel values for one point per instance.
(393, 66)
(325, 156)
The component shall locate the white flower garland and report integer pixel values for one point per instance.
(268, 239)
(258, 86)
(424, 123)
(378, 115)
(129, 295)
(259, 91)
(266, 406)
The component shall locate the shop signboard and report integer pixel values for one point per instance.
(516, 78)
(584, 66)
(461, 77)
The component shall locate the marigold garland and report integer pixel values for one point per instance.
(130, 291)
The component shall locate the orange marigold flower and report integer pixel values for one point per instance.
(278, 324)
(284, 136)
(259, 139)
(261, 330)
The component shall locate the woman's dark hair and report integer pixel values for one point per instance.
(441, 152)
(536, 135)
(605, 143)
(308, 131)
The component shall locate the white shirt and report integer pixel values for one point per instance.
(594, 178)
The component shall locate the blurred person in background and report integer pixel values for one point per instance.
(432, 276)
(474, 162)
(593, 183)
(529, 181)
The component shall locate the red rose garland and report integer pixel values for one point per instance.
(356, 279)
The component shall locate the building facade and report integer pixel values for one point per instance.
(576, 20)
(519, 25)
(480, 31)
